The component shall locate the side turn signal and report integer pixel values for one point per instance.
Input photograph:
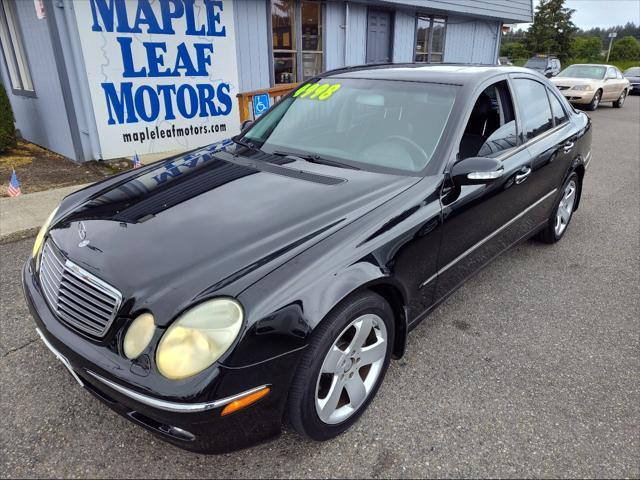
(245, 401)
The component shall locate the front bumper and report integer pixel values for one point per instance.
(191, 420)
(581, 97)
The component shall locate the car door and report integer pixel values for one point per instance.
(552, 148)
(480, 221)
(611, 89)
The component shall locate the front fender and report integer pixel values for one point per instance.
(279, 329)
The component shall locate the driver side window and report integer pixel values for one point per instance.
(491, 129)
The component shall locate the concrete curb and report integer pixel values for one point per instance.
(20, 235)
(22, 216)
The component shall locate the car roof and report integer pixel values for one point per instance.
(450, 73)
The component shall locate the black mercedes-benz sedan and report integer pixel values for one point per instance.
(211, 297)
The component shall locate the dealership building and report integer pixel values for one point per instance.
(101, 79)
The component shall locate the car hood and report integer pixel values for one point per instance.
(633, 79)
(573, 81)
(210, 223)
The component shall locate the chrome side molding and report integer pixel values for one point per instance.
(145, 399)
(487, 238)
(173, 406)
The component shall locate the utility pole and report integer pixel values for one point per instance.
(612, 35)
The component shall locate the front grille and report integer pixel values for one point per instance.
(77, 297)
(562, 87)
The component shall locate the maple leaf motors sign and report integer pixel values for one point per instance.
(162, 74)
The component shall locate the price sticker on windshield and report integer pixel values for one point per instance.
(316, 91)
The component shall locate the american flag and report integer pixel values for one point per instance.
(136, 161)
(14, 186)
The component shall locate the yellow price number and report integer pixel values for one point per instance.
(316, 91)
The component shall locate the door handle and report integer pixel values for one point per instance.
(523, 175)
(568, 146)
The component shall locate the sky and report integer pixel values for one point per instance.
(600, 13)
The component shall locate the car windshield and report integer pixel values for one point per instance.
(536, 63)
(358, 122)
(584, 71)
(632, 72)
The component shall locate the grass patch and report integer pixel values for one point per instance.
(40, 169)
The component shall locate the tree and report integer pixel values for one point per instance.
(588, 48)
(626, 48)
(7, 129)
(628, 28)
(552, 29)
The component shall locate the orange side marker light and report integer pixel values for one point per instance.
(245, 401)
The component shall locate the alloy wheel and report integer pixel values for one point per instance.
(565, 208)
(596, 100)
(351, 369)
(622, 98)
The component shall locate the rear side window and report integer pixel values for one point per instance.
(559, 114)
(534, 107)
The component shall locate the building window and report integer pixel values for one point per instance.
(430, 33)
(13, 50)
(296, 28)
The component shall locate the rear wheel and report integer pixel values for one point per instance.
(596, 101)
(620, 102)
(562, 212)
(342, 368)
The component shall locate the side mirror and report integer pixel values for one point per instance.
(246, 125)
(476, 171)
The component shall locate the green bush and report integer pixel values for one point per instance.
(627, 48)
(7, 129)
(587, 47)
(514, 50)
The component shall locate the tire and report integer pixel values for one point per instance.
(562, 211)
(311, 390)
(620, 102)
(596, 101)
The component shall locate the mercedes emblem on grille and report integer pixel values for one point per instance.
(82, 233)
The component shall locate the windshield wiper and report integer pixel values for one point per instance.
(314, 158)
(243, 143)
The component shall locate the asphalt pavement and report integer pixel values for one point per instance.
(531, 369)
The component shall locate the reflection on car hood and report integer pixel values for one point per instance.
(200, 223)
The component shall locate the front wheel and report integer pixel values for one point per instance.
(342, 368)
(595, 102)
(562, 211)
(618, 103)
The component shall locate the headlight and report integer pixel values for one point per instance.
(37, 246)
(198, 338)
(583, 87)
(138, 335)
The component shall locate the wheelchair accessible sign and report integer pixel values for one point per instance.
(260, 104)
